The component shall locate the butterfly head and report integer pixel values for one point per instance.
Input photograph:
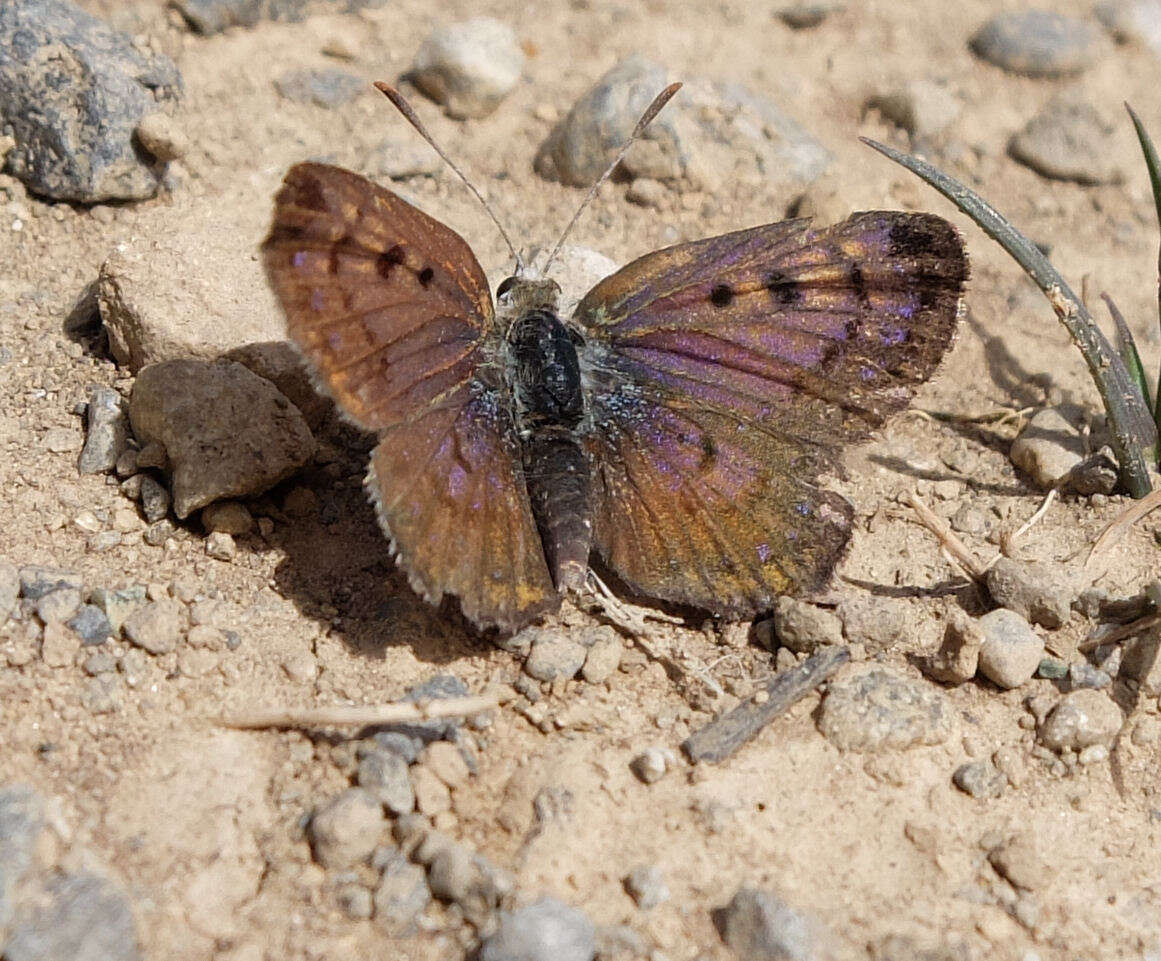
(522, 292)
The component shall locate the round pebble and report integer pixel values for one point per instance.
(346, 830)
(652, 764)
(1067, 140)
(1036, 43)
(156, 627)
(554, 657)
(469, 67)
(980, 779)
(1011, 651)
(803, 628)
(760, 926)
(1038, 591)
(59, 605)
(227, 517)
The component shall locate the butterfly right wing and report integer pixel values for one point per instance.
(392, 311)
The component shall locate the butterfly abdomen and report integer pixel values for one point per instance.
(546, 383)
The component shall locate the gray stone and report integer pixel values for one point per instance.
(461, 876)
(546, 930)
(1038, 591)
(554, 656)
(803, 628)
(86, 918)
(58, 605)
(760, 926)
(327, 87)
(924, 108)
(1141, 661)
(9, 588)
(1069, 140)
(401, 896)
(439, 687)
(878, 622)
(1085, 675)
(1011, 651)
(385, 775)
(72, 90)
(1052, 669)
(155, 499)
(1081, 718)
(469, 67)
(878, 709)
(21, 821)
(1133, 21)
(398, 159)
(395, 742)
(156, 627)
(709, 133)
(345, 830)
(980, 779)
(646, 885)
(1037, 43)
(107, 434)
(35, 582)
(808, 13)
(214, 16)
(227, 432)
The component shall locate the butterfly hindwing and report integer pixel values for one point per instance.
(393, 313)
(724, 375)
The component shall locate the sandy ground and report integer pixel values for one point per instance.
(206, 826)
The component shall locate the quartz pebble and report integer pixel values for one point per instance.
(1011, 650)
(1081, 718)
(469, 67)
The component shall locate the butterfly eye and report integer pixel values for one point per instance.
(505, 286)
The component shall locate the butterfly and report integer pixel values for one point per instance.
(677, 424)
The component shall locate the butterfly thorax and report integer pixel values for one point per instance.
(545, 380)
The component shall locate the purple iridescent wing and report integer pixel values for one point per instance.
(392, 312)
(724, 376)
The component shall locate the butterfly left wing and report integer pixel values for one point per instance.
(723, 377)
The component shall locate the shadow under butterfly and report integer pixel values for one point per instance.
(677, 423)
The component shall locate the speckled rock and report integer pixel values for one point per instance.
(980, 779)
(72, 90)
(107, 431)
(1081, 718)
(469, 67)
(554, 656)
(227, 432)
(878, 709)
(546, 930)
(1037, 43)
(1038, 591)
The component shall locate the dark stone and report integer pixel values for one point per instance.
(91, 625)
(72, 92)
(214, 16)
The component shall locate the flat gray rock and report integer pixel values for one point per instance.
(72, 92)
(86, 918)
(1069, 140)
(21, 821)
(227, 432)
(214, 16)
(546, 930)
(1037, 43)
(760, 926)
(328, 87)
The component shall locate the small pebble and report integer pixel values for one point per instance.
(227, 517)
(980, 779)
(1021, 861)
(808, 13)
(91, 625)
(107, 431)
(554, 656)
(155, 499)
(803, 627)
(59, 605)
(160, 135)
(432, 796)
(401, 896)
(384, 774)
(1081, 718)
(100, 662)
(546, 930)
(1052, 669)
(156, 627)
(345, 830)
(1036, 43)
(1068, 140)
(117, 605)
(958, 658)
(1093, 754)
(1141, 661)
(1011, 651)
(646, 886)
(35, 582)
(469, 67)
(221, 546)
(652, 764)
(1085, 675)
(760, 926)
(603, 657)
(446, 762)
(1040, 592)
(59, 646)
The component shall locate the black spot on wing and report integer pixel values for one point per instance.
(425, 276)
(722, 295)
(783, 290)
(859, 283)
(389, 260)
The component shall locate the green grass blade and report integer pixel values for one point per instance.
(1133, 428)
(1153, 165)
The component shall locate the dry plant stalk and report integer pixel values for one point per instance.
(361, 715)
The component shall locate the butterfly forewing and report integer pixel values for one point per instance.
(389, 305)
(725, 373)
(393, 313)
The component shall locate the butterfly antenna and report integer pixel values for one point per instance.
(646, 118)
(412, 118)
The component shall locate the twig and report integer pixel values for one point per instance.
(1115, 529)
(952, 544)
(1034, 519)
(363, 715)
(724, 735)
(1119, 632)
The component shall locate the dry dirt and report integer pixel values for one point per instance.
(205, 826)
